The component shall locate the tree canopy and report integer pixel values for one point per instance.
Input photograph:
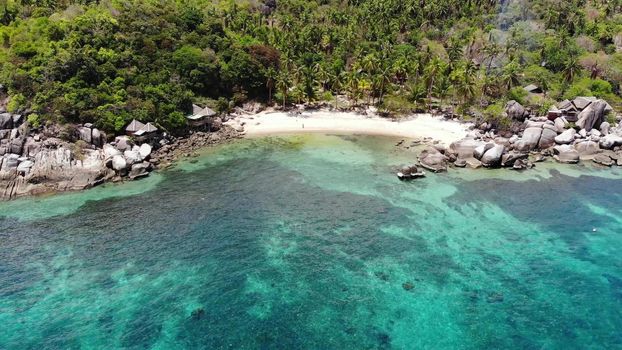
(109, 61)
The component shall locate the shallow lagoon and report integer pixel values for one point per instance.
(312, 242)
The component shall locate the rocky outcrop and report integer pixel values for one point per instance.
(566, 137)
(592, 116)
(464, 148)
(610, 141)
(537, 135)
(566, 154)
(516, 111)
(35, 162)
(492, 157)
(433, 160)
(52, 169)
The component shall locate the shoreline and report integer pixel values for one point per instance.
(417, 126)
(449, 143)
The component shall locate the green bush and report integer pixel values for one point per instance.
(517, 94)
(397, 105)
(16, 103)
(34, 120)
(494, 114)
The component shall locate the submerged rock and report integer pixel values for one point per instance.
(603, 159)
(197, 314)
(408, 285)
(473, 163)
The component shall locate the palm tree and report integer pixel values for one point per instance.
(432, 70)
(441, 89)
(322, 75)
(382, 79)
(400, 70)
(511, 75)
(283, 83)
(271, 77)
(352, 78)
(571, 68)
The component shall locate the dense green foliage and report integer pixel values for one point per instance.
(110, 61)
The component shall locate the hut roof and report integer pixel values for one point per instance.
(205, 112)
(533, 89)
(149, 128)
(134, 126)
(196, 109)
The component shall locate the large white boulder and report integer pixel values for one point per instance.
(132, 157)
(144, 150)
(566, 137)
(610, 141)
(119, 163)
(492, 157)
(110, 151)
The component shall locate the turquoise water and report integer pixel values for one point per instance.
(311, 242)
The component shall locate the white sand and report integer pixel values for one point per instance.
(416, 126)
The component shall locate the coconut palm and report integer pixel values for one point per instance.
(283, 83)
(271, 77)
(571, 68)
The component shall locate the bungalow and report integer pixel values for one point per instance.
(200, 116)
(134, 127)
(146, 133)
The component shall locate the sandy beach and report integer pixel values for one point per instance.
(415, 126)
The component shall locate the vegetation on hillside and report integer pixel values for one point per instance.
(109, 61)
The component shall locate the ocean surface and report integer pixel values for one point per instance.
(311, 242)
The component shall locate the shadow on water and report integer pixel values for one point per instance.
(559, 204)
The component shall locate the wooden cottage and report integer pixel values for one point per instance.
(201, 117)
(147, 133)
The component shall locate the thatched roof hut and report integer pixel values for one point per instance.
(134, 126)
(200, 116)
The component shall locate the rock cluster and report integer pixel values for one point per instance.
(164, 156)
(39, 161)
(127, 158)
(590, 138)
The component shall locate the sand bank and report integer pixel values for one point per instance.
(415, 126)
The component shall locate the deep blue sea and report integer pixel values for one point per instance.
(311, 242)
